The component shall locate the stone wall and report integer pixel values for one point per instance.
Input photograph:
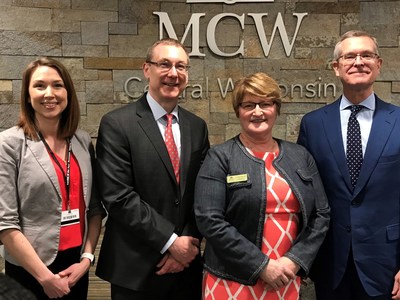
(103, 44)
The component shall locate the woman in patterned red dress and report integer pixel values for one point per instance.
(260, 204)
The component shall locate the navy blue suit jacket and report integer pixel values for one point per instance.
(366, 219)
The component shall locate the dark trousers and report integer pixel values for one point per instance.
(185, 285)
(63, 260)
(350, 288)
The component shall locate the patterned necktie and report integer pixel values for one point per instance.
(354, 147)
(171, 146)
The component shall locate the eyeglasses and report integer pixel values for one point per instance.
(351, 57)
(252, 105)
(165, 66)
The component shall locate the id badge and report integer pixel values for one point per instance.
(237, 178)
(70, 217)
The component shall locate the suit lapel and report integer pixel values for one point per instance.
(333, 133)
(184, 126)
(40, 153)
(382, 126)
(150, 128)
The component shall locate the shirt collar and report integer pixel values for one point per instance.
(369, 102)
(158, 111)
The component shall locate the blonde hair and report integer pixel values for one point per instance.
(258, 84)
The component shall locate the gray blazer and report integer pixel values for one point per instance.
(30, 196)
(231, 215)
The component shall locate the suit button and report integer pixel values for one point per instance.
(348, 228)
(177, 202)
(355, 203)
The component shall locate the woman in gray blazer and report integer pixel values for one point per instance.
(259, 203)
(50, 219)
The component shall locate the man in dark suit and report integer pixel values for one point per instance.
(360, 258)
(151, 243)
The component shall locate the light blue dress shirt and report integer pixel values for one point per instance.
(364, 117)
(159, 113)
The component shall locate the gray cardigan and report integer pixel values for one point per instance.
(231, 215)
(30, 196)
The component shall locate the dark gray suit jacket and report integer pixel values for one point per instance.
(139, 190)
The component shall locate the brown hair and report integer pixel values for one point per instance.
(70, 116)
(350, 34)
(258, 84)
(168, 42)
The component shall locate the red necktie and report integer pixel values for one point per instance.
(171, 146)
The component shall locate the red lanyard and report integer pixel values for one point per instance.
(66, 176)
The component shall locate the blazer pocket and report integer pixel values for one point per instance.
(306, 174)
(393, 232)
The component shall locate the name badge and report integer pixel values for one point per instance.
(70, 217)
(237, 178)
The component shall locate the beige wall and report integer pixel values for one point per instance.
(103, 43)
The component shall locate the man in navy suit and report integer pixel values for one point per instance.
(150, 249)
(360, 258)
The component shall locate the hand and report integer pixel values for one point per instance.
(288, 263)
(168, 264)
(184, 249)
(268, 287)
(396, 287)
(75, 272)
(56, 286)
(276, 275)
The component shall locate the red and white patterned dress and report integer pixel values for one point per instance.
(280, 231)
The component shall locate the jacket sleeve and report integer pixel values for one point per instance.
(190, 228)
(95, 204)
(316, 214)
(9, 165)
